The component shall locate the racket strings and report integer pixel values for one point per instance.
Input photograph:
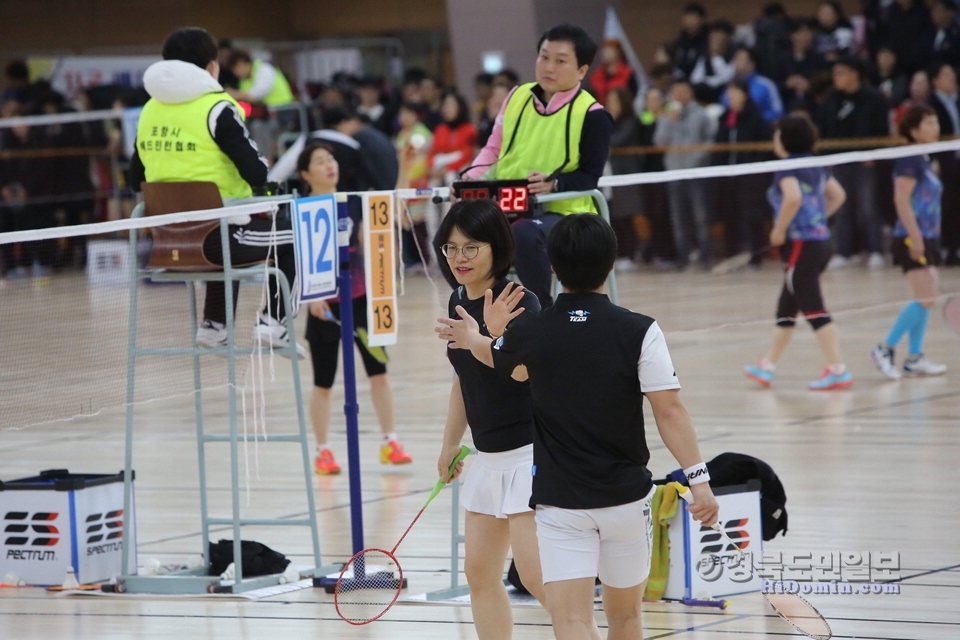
(801, 614)
(368, 586)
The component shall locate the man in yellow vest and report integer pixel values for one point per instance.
(557, 136)
(259, 81)
(191, 130)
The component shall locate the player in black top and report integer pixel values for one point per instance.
(479, 247)
(590, 363)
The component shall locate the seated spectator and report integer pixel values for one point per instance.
(945, 100)
(414, 235)
(940, 41)
(654, 195)
(762, 90)
(507, 77)
(431, 93)
(771, 38)
(488, 118)
(919, 93)
(687, 123)
(834, 33)
(613, 72)
(625, 201)
(692, 41)
(714, 68)
(854, 109)
(482, 88)
(741, 203)
(903, 24)
(893, 83)
(797, 67)
(371, 107)
(454, 140)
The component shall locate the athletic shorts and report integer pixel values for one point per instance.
(499, 484)
(901, 254)
(613, 543)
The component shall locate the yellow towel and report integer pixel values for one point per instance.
(664, 507)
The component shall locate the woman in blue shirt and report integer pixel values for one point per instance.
(916, 246)
(803, 199)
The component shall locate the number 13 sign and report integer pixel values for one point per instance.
(380, 267)
(315, 245)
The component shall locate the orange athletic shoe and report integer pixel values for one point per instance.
(393, 453)
(325, 465)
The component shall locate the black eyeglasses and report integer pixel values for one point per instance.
(469, 251)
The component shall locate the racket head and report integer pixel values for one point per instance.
(951, 312)
(369, 584)
(801, 614)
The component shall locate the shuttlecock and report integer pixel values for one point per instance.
(70, 580)
(418, 141)
(230, 573)
(196, 562)
(292, 574)
(14, 579)
(152, 567)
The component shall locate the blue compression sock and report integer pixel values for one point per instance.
(909, 317)
(919, 330)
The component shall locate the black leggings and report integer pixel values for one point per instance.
(252, 243)
(324, 339)
(804, 261)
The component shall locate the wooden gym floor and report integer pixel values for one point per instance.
(870, 469)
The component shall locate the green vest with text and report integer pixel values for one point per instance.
(536, 142)
(175, 145)
(280, 92)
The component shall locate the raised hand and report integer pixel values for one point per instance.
(498, 313)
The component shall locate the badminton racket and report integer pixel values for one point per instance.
(371, 581)
(951, 312)
(791, 607)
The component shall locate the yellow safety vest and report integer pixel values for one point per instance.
(174, 143)
(533, 141)
(280, 92)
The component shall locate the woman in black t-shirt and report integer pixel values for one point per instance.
(478, 245)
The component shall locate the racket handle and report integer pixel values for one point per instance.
(923, 259)
(687, 495)
(694, 602)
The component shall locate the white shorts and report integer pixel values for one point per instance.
(613, 543)
(499, 484)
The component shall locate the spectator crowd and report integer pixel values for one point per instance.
(703, 95)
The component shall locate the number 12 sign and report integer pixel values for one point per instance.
(380, 267)
(315, 245)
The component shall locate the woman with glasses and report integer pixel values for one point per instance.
(478, 245)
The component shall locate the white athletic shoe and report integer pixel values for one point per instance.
(882, 356)
(211, 335)
(875, 261)
(838, 262)
(269, 332)
(920, 366)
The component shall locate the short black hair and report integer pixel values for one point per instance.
(481, 220)
(483, 78)
(303, 160)
(798, 134)
(853, 62)
(17, 70)
(695, 7)
(582, 248)
(722, 24)
(509, 75)
(796, 24)
(333, 115)
(583, 45)
(912, 118)
(191, 44)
